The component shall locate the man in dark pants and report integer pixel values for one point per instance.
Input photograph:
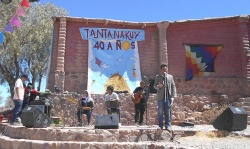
(18, 98)
(166, 91)
(139, 98)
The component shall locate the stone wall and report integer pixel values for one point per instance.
(231, 86)
(187, 108)
(229, 76)
(230, 65)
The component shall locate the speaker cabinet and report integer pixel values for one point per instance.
(32, 116)
(232, 119)
(108, 121)
(42, 105)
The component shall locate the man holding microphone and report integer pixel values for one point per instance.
(166, 91)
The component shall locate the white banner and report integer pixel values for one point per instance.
(113, 61)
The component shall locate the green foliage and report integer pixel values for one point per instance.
(27, 49)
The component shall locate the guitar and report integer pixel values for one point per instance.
(137, 97)
(143, 93)
(75, 101)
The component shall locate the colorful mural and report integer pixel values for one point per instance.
(113, 58)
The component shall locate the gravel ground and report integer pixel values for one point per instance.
(203, 142)
(207, 137)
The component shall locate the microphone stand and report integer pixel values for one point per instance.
(147, 95)
(166, 92)
(165, 87)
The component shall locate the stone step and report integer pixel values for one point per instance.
(139, 140)
(240, 104)
(9, 143)
(240, 100)
(88, 133)
(247, 99)
(247, 108)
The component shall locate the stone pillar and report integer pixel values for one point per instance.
(245, 50)
(163, 49)
(244, 44)
(60, 73)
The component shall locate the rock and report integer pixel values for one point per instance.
(180, 116)
(214, 104)
(186, 98)
(200, 105)
(165, 135)
(223, 97)
(206, 107)
(56, 100)
(239, 100)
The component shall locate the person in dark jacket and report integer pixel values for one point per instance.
(139, 97)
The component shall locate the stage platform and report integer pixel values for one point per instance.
(62, 137)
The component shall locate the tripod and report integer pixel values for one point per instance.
(146, 107)
(146, 96)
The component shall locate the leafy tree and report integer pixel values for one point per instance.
(27, 49)
(1, 99)
(9, 103)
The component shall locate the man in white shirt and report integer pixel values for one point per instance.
(112, 96)
(18, 97)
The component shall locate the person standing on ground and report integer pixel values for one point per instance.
(138, 97)
(166, 91)
(18, 97)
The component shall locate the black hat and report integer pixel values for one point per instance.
(111, 88)
(24, 76)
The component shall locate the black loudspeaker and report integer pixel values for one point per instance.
(232, 119)
(108, 121)
(40, 103)
(32, 116)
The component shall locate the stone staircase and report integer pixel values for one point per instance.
(127, 137)
(245, 104)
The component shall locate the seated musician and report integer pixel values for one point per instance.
(86, 105)
(29, 94)
(33, 93)
(112, 96)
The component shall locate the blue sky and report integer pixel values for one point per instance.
(150, 11)
(153, 10)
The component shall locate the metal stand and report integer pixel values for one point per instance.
(146, 104)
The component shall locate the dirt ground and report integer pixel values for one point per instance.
(207, 137)
(210, 141)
